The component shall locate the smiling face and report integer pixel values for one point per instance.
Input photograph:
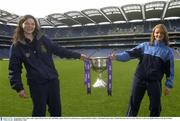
(158, 34)
(29, 26)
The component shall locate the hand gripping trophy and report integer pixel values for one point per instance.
(99, 65)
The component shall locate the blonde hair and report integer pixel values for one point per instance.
(165, 32)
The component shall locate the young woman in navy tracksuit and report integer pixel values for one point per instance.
(155, 60)
(35, 51)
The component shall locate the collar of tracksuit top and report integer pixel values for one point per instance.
(25, 42)
(159, 43)
(159, 49)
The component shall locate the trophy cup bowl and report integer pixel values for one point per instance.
(99, 64)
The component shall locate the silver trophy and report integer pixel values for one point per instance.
(99, 65)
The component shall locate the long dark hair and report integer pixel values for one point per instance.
(19, 32)
(165, 32)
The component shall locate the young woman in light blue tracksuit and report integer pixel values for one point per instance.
(155, 60)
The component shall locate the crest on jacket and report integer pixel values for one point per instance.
(27, 55)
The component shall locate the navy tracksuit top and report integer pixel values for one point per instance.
(37, 59)
(155, 61)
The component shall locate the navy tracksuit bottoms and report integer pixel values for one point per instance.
(46, 94)
(139, 88)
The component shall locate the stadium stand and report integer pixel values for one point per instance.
(108, 29)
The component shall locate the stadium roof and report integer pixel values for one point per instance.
(112, 14)
(155, 10)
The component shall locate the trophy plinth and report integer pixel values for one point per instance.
(99, 65)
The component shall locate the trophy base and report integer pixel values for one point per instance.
(99, 83)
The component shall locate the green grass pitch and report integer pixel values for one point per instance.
(75, 101)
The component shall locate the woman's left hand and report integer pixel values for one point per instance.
(113, 56)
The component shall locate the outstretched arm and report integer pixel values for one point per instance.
(127, 55)
(123, 56)
(62, 52)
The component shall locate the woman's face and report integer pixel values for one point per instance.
(28, 26)
(158, 34)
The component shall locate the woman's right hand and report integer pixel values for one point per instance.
(22, 94)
